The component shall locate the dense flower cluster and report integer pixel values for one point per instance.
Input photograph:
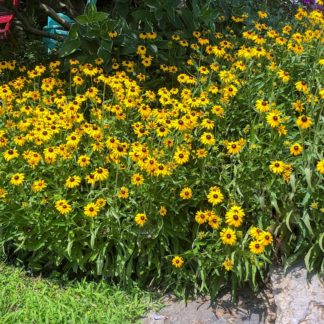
(192, 171)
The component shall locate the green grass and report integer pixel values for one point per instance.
(30, 300)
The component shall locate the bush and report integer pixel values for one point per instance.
(185, 185)
(113, 34)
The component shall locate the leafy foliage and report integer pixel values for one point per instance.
(91, 35)
(183, 178)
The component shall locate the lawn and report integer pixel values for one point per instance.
(26, 299)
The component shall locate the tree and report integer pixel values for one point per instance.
(72, 8)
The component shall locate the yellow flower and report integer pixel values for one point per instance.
(228, 236)
(304, 122)
(265, 238)
(228, 264)
(235, 147)
(162, 211)
(101, 174)
(10, 154)
(181, 155)
(263, 105)
(177, 261)
(320, 166)
(91, 210)
(207, 139)
(38, 185)
(83, 161)
(63, 206)
(273, 118)
(17, 179)
(201, 217)
(137, 179)
(277, 167)
(234, 216)
(123, 193)
(256, 247)
(72, 182)
(3, 193)
(213, 219)
(101, 202)
(140, 219)
(296, 149)
(215, 196)
(186, 193)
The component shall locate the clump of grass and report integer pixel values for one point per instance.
(26, 299)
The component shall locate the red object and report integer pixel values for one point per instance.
(5, 21)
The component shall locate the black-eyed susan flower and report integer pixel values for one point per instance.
(17, 179)
(83, 161)
(186, 193)
(302, 86)
(101, 174)
(123, 193)
(255, 232)
(72, 182)
(39, 185)
(265, 238)
(304, 121)
(228, 236)
(235, 147)
(137, 179)
(181, 155)
(277, 167)
(140, 219)
(215, 196)
(296, 149)
(101, 202)
(262, 105)
(284, 76)
(162, 211)
(207, 139)
(63, 206)
(213, 219)
(320, 166)
(3, 193)
(228, 264)
(234, 216)
(256, 247)
(177, 261)
(91, 210)
(273, 118)
(201, 217)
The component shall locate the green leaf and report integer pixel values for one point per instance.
(82, 20)
(69, 47)
(73, 33)
(287, 220)
(99, 17)
(107, 45)
(306, 220)
(308, 174)
(90, 9)
(308, 256)
(320, 241)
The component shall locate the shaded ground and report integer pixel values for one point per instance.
(249, 309)
(291, 297)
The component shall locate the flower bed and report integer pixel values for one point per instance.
(188, 185)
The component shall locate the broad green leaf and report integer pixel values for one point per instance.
(69, 47)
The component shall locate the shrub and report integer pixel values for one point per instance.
(185, 185)
(113, 34)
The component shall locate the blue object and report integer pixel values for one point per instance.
(53, 27)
